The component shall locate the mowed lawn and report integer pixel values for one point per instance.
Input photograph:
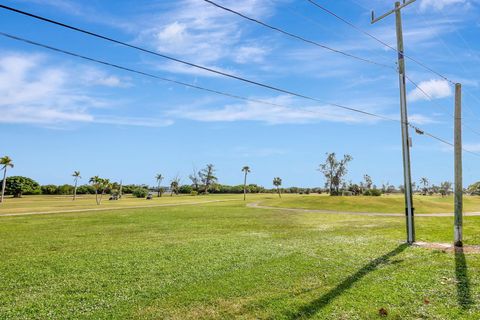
(382, 204)
(225, 260)
(47, 203)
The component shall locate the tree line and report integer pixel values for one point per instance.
(205, 181)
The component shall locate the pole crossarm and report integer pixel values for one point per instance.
(405, 3)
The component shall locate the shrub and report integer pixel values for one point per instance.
(140, 192)
(372, 192)
(194, 193)
(185, 189)
(49, 189)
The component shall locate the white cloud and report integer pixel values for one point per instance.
(204, 34)
(439, 5)
(93, 76)
(281, 113)
(420, 119)
(435, 89)
(473, 147)
(35, 93)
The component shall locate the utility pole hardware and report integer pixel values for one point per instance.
(409, 210)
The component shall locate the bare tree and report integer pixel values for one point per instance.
(207, 176)
(334, 170)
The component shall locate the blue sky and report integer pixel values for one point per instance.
(59, 114)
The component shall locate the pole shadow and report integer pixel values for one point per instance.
(464, 297)
(316, 305)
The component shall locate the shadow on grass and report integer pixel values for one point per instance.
(316, 305)
(463, 283)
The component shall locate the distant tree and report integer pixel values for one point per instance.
(334, 170)
(17, 186)
(76, 176)
(445, 188)
(100, 185)
(424, 181)
(174, 186)
(207, 176)
(49, 189)
(159, 179)
(140, 192)
(5, 162)
(195, 178)
(368, 181)
(246, 170)
(474, 189)
(277, 182)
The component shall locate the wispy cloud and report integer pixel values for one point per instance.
(439, 5)
(205, 34)
(34, 92)
(286, 111)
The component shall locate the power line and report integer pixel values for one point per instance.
(187, 84)
(429, 97)
(152, 52)
(298, 37)
(379, 40)
(418, 130)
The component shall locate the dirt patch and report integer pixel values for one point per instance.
(448, 247)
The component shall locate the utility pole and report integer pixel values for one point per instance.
(458, 223)
(409, 210)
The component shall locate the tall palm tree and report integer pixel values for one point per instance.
(425, 183)
(159, 179)
(105, 184)
(277, 182)
(96, 182)
(76, 176)
(246, 170)
(5, 162)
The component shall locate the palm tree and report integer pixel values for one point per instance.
(246, 170)
(96, 182)
(159, 179)
(425, 183)
(76, 176)
(277, 182)
(174, 184)
(6, 162)
(105, 184)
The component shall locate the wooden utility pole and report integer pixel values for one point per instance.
(458, 223)
(409, 210)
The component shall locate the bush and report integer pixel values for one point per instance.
(140, 192)
(49, 189)
(372, 192)
(185, 189)
(65, 189)
(85, 189)
(194, 193)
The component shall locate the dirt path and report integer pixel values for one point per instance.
(114, 208)
(258, 206)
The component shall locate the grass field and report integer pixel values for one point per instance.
(224, 260)
(383, 204)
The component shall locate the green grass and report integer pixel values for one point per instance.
(28, 204)
(383, 204)
(224, 260)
